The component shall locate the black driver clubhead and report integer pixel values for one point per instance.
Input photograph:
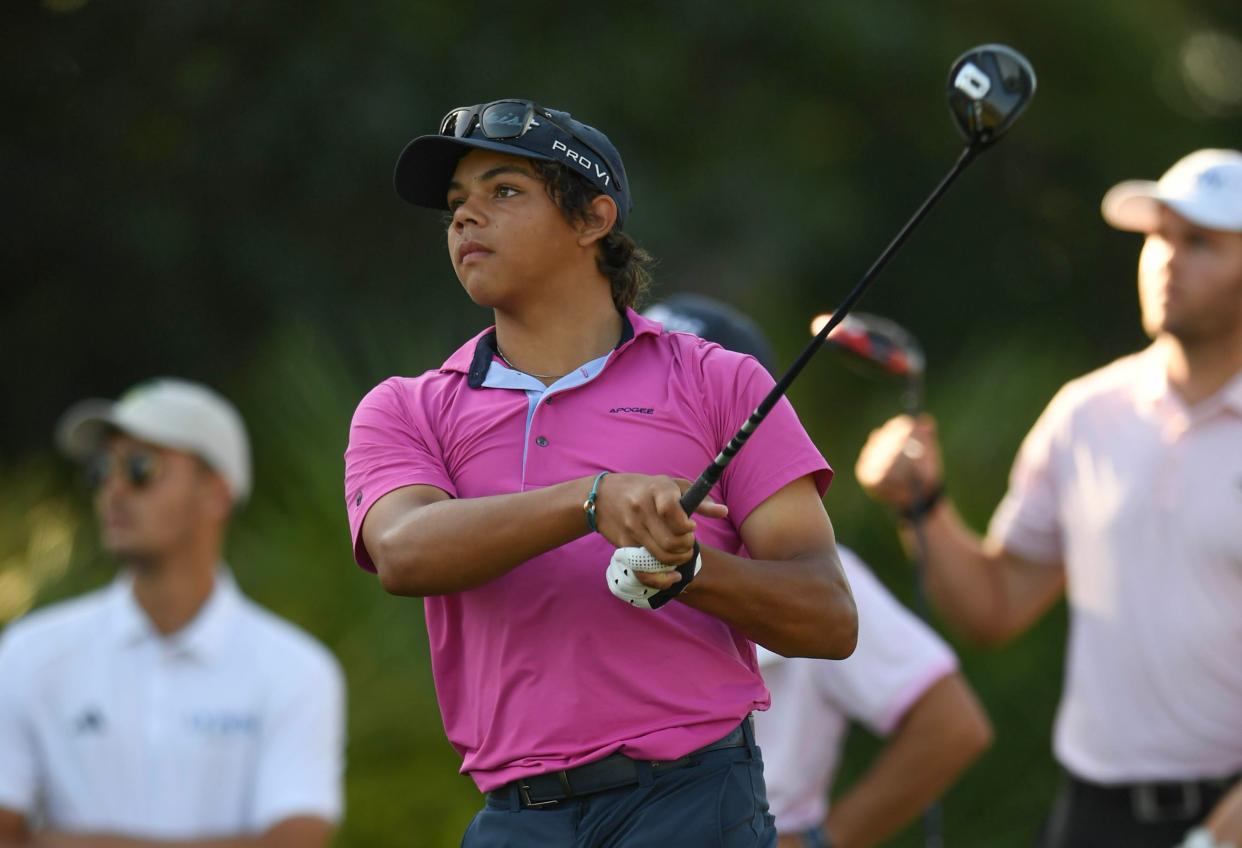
(989, 87)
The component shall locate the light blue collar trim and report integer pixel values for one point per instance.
(501, 376)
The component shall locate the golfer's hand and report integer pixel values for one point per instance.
(900, 459)
(636, 510)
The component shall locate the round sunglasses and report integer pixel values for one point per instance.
(138, 467)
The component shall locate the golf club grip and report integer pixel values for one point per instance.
(694, 496)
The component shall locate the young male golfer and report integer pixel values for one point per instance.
(595, 705)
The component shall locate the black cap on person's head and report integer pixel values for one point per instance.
(714, 321)
(519, 128)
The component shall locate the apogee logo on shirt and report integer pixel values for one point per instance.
(224, 723)
(635, 410)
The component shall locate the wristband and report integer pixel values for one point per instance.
(924, 505)
(588, 506)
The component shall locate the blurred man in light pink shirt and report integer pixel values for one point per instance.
(1127, 496)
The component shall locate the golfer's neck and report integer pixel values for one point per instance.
(556, 337)
(1199, 370)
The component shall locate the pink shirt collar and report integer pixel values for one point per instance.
(1151, 386)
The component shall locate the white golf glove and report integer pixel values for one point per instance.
(627, 562)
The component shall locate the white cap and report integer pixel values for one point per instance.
(171, 413)
(1204, 187)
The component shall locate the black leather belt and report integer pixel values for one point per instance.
(612, 772)
(1167, 801)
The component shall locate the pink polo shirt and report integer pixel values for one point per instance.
(543, 669)
(1140, 496)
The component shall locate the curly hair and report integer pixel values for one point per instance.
(626, 265)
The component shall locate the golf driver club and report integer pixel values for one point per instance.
(887, 347)
(989, 87)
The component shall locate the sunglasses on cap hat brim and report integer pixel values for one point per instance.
(504, 120)
(426, 164)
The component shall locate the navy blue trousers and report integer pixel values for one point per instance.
(717, 801)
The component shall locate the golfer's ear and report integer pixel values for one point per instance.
(601, 217)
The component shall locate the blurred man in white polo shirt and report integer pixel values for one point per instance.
(166, 709)
(1127, 495)
(901, 682)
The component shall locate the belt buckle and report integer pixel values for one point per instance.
(524, 794)
(1146, 806)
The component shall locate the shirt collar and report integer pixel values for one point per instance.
(474, 358)
(203, 637)
(1151, 384)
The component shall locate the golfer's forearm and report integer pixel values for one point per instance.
(294, 832)
(962, 582)
(1225, 822)
(457, 544)
(13, 830)
(798, 607)
(943, 733)
(61, 840)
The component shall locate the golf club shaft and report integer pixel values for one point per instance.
(933, 826)
(694, 496)
(914, 408)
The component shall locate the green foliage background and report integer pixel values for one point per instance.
(202, 188)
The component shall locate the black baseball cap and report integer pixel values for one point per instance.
(426, 165)
(714, 321)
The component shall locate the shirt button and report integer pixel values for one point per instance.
(542, 442)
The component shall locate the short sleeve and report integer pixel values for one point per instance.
(897, 659)
(19, 773)
(390, 446)
(777, 453)
(1027, 521)
(302, 760)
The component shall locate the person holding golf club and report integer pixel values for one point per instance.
(1126, 496)
(166, 709)
(902, 681)
(592, 644)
